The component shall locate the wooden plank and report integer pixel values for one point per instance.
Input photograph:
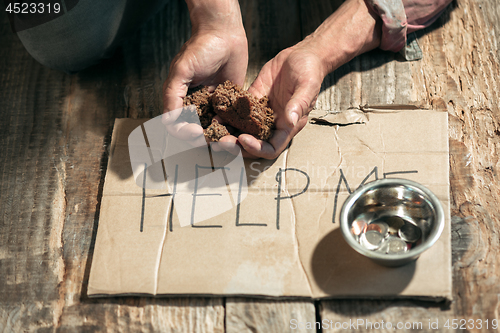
(30, 188)
(248, 315)
(467, 82)
(53, 148)
(271, 26)
(382, 316)
(147, 56)
(54, 128)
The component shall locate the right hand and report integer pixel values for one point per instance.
(217, 51)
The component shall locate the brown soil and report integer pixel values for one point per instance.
(236, 107)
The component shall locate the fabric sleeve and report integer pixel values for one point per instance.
(401, 17)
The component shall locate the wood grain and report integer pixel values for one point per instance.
(271, 26)
(247, 315)
(31, 195)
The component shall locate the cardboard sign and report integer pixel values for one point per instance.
(268, 228)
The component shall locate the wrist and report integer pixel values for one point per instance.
(215, 16)
(352, 30)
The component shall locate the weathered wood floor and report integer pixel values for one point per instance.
(55, 130)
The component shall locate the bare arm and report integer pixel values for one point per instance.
(217, 50)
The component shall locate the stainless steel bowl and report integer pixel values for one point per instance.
(394, 199)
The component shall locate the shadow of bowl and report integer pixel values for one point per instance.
(340, 271)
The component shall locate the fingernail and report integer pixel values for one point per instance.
(295, 118)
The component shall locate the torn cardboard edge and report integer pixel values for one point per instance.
(189, 258)
(356, 115)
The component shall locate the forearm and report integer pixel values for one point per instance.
(215, 15)
(350, 31)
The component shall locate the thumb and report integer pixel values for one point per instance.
(299, 105)
(176, 85)
(173, 94)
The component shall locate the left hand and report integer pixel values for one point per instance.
(292, 81)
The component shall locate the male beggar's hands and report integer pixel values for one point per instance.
(217, 51)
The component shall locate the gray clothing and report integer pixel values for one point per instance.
(87, 33)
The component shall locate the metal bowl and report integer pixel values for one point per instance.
(394, 202)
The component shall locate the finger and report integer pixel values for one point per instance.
(227, 146)
(174, 93)
(229, 143)
(259, 87)
(199, 141)
(215, 146)
(176, 85)
(300, 104)
(230, 147)
(234, 146)
(277, 143)
(185, 131)
(179, 123)
(263, 149)
(171, 117)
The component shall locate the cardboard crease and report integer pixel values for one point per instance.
(295, 238)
